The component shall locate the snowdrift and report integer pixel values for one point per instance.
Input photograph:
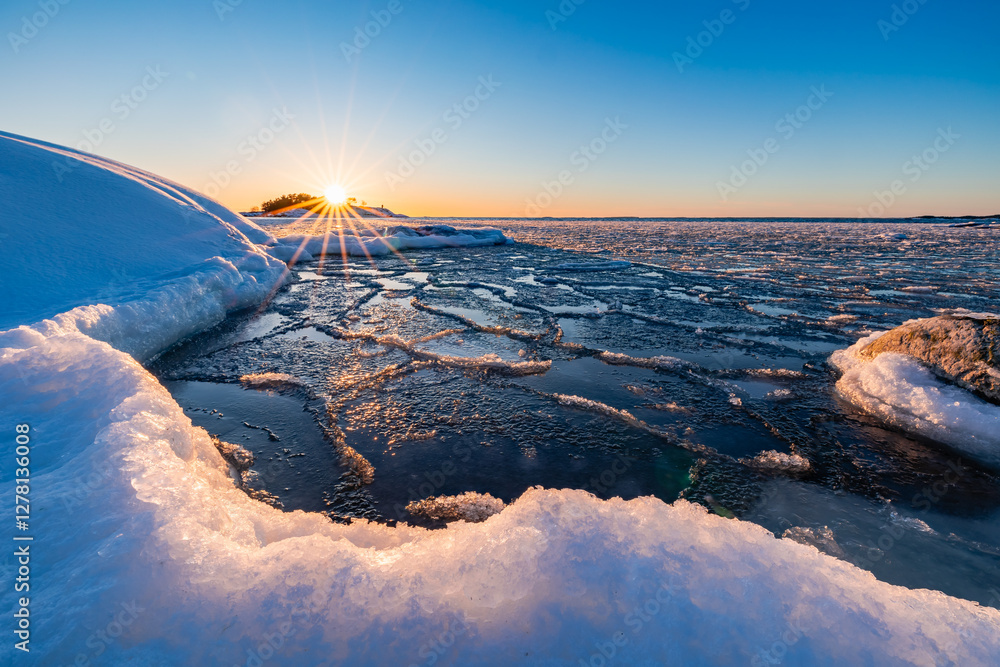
(145, 552)
(85, 230)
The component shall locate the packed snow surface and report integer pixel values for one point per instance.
(148, 552)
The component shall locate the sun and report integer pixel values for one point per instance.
(335, 195)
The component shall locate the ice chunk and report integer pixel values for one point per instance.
(661, 362)
(772, 460)
(280, 381)
(241, 459)
(490, 361)
(469, 506)
(821, 538)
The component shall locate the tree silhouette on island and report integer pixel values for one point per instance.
(280, 205)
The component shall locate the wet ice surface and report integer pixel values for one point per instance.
(627, 358)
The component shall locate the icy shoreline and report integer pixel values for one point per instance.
(140, 510)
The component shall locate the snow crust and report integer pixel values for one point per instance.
(904, 393)
(139, 518)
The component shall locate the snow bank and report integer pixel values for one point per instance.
(145, 550)
(901, 391)
(371, 243)
(84, 230)
(961, 350)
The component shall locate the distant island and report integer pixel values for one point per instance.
(958, 217)
(345, 211)
(303, 205)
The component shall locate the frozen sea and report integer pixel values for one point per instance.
(628, 358)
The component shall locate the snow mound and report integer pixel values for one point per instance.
(93, 231)
(901, 391)
(469, 506)
(557, 574)
(372, 243)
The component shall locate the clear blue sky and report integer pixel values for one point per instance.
(229, 71)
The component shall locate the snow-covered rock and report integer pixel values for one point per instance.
(912, 381)
(959, 349)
